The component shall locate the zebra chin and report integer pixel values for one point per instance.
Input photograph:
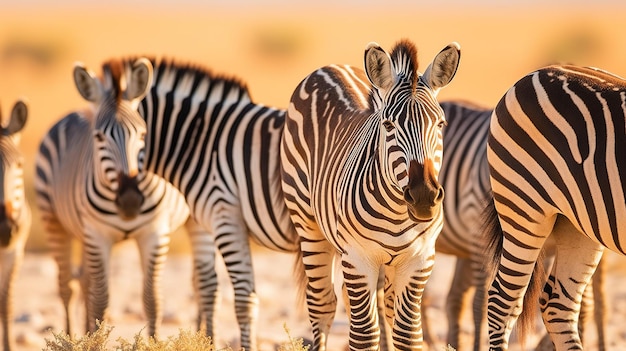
(423, 201)
(421, 214)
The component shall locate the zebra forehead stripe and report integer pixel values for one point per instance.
(404, 58)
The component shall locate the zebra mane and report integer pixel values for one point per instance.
(116, 67)
(167, 64)
(113, 76)
(404, 60)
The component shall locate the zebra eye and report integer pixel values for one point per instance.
(388, 125)
(442, 124)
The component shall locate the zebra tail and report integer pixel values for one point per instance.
(492, 231)
(492, 234)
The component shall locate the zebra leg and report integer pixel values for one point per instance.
(60, 245)
(409, 282)
(153, 249)
(429, 338)
(599, 302)
(318, 257)
(390, 295)
(586, 310)
(96, 268)
(386, 339)
(361, 279)
(575, 262)
(204, 275)
(83, 279)
(457, 299)
(479, 303)
(11, 261)
(234, 245)
(517, 263)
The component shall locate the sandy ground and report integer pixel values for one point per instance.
(38, 310)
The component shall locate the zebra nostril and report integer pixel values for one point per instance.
(440, 195)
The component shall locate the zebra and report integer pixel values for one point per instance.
(15, 215)
(360, 167)
(465, 177)
(91, 185)
(208, 138)
(554, 149)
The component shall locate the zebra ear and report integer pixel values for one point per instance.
(378, 67)
(140, 80)
(443, 68)
(87, 84)
(19, 114)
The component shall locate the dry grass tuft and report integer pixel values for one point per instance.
(185, 341)
(292, 344)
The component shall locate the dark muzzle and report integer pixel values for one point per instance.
(7, 227)
(424, 194)
(423, 201)
(129, 199)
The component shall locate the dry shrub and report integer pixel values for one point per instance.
(185, 341)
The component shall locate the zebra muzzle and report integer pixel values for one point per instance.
(423, 201)
(423, 194)
(129, 198)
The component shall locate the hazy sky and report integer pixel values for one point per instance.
(247, 4)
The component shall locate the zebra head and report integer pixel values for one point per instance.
(12, 195)
(118, 129)
(411, 121)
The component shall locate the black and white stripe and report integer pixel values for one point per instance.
(360, 168)
(465, 177)
(15, 216)
(90, 185)
(221, 150)
(555, 152)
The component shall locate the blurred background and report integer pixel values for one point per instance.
(273, 44)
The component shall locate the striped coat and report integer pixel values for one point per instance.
(15, 216)
(91, 186)
(557, 165)
(360, 169)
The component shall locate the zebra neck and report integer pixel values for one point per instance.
(96, 184)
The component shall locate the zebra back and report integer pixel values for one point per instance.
(211, 141)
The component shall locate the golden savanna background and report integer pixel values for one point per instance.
(272, 45)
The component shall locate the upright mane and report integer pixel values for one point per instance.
(113, 77)
(116, 67)
(404, 59)
(198, 73)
